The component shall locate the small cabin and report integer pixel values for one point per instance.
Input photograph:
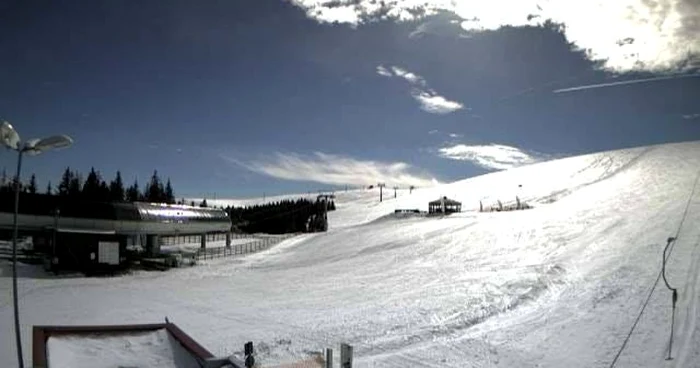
(444, 205)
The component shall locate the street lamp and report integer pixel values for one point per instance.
(10, 139)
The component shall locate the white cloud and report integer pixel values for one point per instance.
(336, 170)
(429, 100)
(455, 135)
(651, 35)
(435, 104)
(335, 14)
(381, 70)
(491, 156)
(420, 30)
(410, 77)
(691, 116)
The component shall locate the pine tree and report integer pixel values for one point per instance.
(91, 188)
(75, 185)
(32, 185)
(116, 189)
(133, 194)
(49, 190)
(161, 194)
(103, 192)
(169, 196)
(203, 204)
(154, 190)
(64, 186)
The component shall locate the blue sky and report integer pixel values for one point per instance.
(240, 98)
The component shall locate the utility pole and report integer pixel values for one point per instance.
(381, 190)
(395, 191)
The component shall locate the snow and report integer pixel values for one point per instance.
(557, 285)
(143, 349)
(23, 244)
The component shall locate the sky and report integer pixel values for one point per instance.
(253, 97)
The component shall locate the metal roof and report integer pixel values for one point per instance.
(446, 200)
(169, 212)
(44, 205)
(85, 231)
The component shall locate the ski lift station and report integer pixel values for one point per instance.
(94, 236)
(444, 205)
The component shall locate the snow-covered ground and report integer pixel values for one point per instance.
(559, 285)
(143, 349)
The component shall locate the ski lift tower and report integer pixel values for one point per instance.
(381, 191)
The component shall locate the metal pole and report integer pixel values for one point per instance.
(57, 212)
(674, 296)
(329, 358)
(15, 300)
(673, 319)
(345, 356)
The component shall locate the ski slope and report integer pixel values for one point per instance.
(559, 285)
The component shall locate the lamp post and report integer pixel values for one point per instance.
(10, 139)
(56, 213)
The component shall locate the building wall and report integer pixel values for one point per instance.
(81, 251)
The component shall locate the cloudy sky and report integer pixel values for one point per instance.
(240, 98)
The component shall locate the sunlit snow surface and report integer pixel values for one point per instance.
(555, 286)
(142, 349)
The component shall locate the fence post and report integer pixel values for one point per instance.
(345, 356)
(329, 358)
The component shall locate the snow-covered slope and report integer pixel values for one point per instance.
(558, 285)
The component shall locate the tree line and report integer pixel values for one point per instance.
(286, 216)
(95, 189)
